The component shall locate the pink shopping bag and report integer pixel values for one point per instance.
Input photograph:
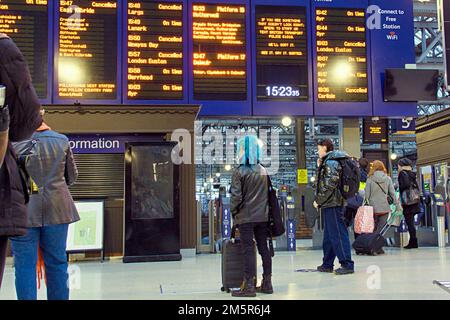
(364, 221)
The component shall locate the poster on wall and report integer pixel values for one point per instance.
(87, 233)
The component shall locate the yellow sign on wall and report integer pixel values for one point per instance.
(302, 176)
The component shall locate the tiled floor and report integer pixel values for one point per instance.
(399, 274)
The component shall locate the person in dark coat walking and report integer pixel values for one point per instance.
(24, 112)
(50, 163)
(250, 210)
(406, 179)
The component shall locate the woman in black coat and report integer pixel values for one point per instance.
(406, 179)
(25, 118)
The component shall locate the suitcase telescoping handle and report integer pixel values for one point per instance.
(387, 225)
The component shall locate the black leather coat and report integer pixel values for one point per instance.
(327, 192)
(249, 194)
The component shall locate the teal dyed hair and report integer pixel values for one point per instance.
(249, 150)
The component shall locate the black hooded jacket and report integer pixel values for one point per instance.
(24, 108)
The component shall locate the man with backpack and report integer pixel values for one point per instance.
(338, 179)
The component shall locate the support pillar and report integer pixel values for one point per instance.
(302, 231)
(351, 142)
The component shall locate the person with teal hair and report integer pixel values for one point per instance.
(249, 150)
(250, 210)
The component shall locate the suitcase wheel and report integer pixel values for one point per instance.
(227, 290)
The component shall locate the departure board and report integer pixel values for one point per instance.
(219, 52)
(26, 22)
(155, 50)
(375, 131)
(281, 53)
(87, 50)
(341, 49)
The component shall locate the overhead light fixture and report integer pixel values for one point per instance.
(227, 167)
(286, 121)
(394, 156)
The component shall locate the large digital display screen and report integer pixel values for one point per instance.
(232, 57)
(26, 22)
(341, 61)
(411, 85)
(87, 50)
(281, 53)
(219, 51)
(155, 50)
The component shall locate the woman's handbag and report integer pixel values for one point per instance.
(276, 225)
(410, 196)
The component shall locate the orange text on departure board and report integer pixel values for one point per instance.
(341, 55)
(74, 47)
(155, 50)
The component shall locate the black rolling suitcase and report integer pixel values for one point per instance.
(370, 243)
(232, 263)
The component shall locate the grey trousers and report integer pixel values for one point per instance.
(380, 221)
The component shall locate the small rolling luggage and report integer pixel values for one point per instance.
(232, 262)
(371, 243)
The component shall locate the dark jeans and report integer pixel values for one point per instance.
(336, 241)
(409, 219)
(52, 241)
(260, 232)
(3, 248)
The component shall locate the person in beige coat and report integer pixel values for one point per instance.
(380, 194)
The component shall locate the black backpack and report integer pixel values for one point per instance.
(350, 178)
